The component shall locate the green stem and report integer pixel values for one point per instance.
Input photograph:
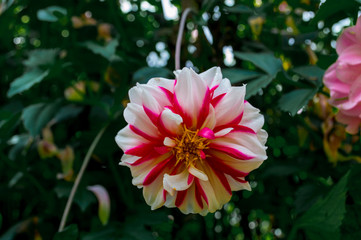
(78, 178)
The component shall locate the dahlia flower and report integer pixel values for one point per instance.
(343, 78)
(191, 141)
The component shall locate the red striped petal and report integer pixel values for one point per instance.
(168, 93)
(203, 113)
(154, 173)
(142, 134)
(200, 190)
(240, 128)
(218, 164)
(181, 195)
(231, 151)
(223, 180)
(217, 99)
(152, 115)
(140, 150)
(144, 159)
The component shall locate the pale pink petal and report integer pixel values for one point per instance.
(104, 202)
(153, 194)
(134, 114)
(252, 118)
(197, 173)
(351, 55)
(236, 185)
(171, 122)
(162, 82)
(212, 77)
(178, 182)
(226, 114)
(346, 39)
(223, 132)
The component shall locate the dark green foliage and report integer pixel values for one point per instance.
(68, 65)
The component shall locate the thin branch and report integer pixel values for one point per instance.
(78, 178)
(179, 38)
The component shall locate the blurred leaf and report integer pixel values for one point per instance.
(67, 112)
(295, 100)
(8, 125)
(36, 116)
(331, 7)
(239, 8)
(5, 4)
(83, 198)
(19, 142)
(104, 202)
(306, 196)
(69, 233)
(280, 170)
(256, 84)
(107, 51)
(111, 231)
(26, 81)
(144, 74)
(265, 61)
(51, 14)
(324, 218)
(236, 75)
(15, 229)
(313, 73)
(40, 57)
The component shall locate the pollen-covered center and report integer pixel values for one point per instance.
(189, 147)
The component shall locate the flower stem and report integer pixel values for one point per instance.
(78, 178)
(179, 38)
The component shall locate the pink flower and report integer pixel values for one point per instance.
(190, 142)
(343, 78)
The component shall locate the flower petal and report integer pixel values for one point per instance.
(178, 182)
(212, 76)
(191, 92)
(226, 114)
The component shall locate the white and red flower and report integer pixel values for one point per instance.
(343, 78)
(191, 141)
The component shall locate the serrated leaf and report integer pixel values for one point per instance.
(265, 61)
(144, 74)
(69, 233)
(40, 57)
(36, 116)
(324, 218)
(51, 14)
(107, 51)
(295, 100)
(236, 75)
(254, 85)
(26, 81)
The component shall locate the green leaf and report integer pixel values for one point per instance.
(239, 8)
(36, 116)
(254, 85)
(236, 75)
(51, 14)
(331, 7)
(26, 81)
(67, 112)
(69, 233)
(313, 73)
(324, 218)
(265, 61)
(107, 51)
(41, 57)
(146, 73)
(295, 100)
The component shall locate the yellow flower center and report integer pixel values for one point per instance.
(189, 147)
